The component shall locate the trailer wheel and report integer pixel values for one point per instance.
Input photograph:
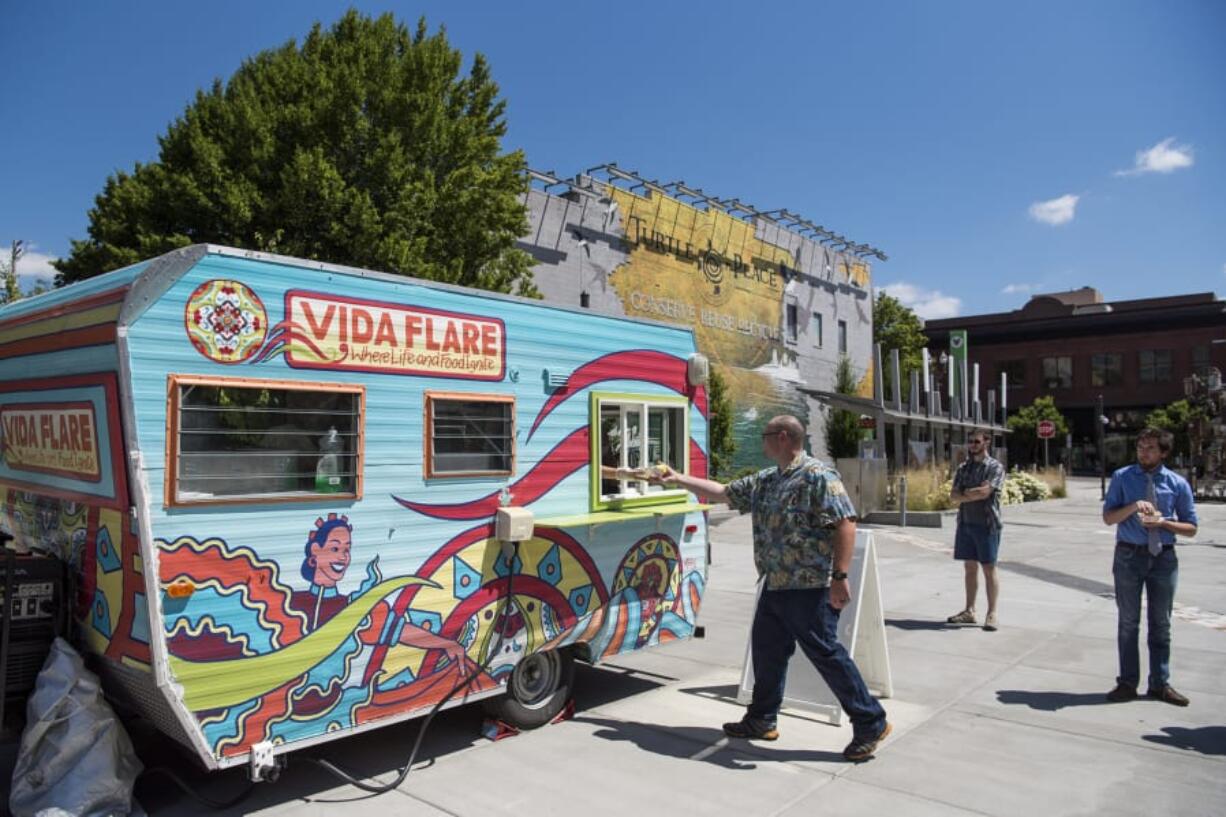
(539, 687)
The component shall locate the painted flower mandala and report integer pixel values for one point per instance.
(226, 321)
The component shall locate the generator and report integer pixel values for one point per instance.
(32, 613)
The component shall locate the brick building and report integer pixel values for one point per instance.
(1075, 346)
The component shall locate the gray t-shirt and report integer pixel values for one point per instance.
(972, 473)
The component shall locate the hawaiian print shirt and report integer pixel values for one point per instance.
(794, 513)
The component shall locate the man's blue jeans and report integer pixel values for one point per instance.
(787, 617)
(1134, 570)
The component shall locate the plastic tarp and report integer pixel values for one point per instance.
(75, 757)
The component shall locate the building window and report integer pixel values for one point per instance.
(1057, 372)
(1014, 372)
(817, 329)
(469, 435)
(1106, 369)
(1155, 366)
(793, 322)
(1200, 360)
(262, 440)
(632, 434)
(842, 337)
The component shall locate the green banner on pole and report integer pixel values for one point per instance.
(957, 357)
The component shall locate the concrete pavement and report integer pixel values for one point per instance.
(1006, 723)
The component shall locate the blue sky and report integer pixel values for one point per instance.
(991, 149)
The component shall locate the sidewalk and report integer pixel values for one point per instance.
(1006, 723)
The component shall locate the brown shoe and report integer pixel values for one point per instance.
(862, 748)
(1167, 694)
(1122, 693)
(965, 617)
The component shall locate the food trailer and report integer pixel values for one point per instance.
(276, 483)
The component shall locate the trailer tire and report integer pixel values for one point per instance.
(537, 691)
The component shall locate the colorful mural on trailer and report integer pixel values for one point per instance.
(63, 492)
(265, 657)
(267, 649)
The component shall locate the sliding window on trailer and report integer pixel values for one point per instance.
(469, 435)
(631, 433)
(241, 440)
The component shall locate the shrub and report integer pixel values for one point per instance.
(1032, 488)
(1011, 493)
(928, 490)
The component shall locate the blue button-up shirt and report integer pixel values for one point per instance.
(1173, 498)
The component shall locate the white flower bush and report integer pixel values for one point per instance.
(1026, 486)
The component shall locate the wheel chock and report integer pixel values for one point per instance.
(567, 712)
(495, 729)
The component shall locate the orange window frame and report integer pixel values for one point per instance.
(428, 432)
(173, 384)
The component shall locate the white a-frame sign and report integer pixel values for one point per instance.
(861, 631)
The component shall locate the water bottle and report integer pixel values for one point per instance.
(328, 469)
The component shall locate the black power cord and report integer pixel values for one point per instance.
(217, 805)
(508, 555)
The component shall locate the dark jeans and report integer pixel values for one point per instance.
(1135, 569)
(785, 617)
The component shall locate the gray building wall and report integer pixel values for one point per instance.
(580, 242)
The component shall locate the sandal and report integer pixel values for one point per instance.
(965, 617)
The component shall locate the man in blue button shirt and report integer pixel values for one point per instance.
(1149, 504)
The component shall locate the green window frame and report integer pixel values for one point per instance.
(650, 428)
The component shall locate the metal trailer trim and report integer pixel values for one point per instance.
(145, 290)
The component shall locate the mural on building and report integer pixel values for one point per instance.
(733, 280)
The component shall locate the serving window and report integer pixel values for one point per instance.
(236, 440)
(469, 435)
(631, 434)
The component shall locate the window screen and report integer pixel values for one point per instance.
(470, 435)
(274, 440)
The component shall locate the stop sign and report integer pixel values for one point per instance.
(1047, 429)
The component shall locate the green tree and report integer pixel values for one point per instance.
(1025, 424)
(722, 443)
(11, 292)
(896, 326)
(1176, 418)
(365, 146)
(843, 427)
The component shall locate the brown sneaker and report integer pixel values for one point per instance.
(965, 617)
(1167, 694)
(751, 729)
(1122, 693)
(862, 748)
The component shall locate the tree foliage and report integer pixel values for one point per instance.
(1025, 424)
(722, 442)
(1176, 418)
(843, 427)
(896, 326)
(366, 146)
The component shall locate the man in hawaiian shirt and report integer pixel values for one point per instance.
(804, 530)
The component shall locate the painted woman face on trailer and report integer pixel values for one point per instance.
(331, 559)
